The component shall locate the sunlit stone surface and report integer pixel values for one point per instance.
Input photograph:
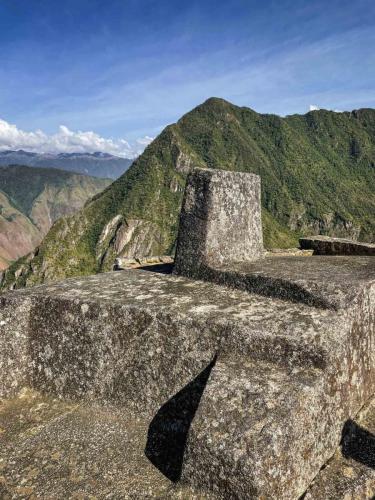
(220, 221)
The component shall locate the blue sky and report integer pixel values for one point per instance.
(123, 69)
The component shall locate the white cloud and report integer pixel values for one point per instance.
(66, 141)
(145, 141)
(314, 108)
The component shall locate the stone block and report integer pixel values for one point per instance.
(15, 359)
(271, 382)
(220, 221)
(325, 245)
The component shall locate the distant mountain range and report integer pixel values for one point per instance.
(32, 199)
(98, 164)
(317, 172)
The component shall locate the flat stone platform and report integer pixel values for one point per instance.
(51, 448)
(322, 281)
(256, 389)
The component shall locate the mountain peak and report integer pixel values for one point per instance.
(216, 101)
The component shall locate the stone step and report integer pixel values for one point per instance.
(51, 448)
(268, 430)
(325, 282)
(351, 471)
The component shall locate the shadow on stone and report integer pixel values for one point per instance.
(358, 444)
(168, 431)
(159, 268)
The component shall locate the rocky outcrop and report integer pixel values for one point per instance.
(127, 239)
(330, 224)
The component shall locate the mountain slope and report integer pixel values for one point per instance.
(18, 235)
(317, 170)
(101, 165)
(31, 199)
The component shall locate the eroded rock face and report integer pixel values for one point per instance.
(329, 223)
(127, 239)
(220, 221)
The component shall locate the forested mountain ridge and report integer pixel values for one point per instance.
(31, 199)
(97, 164)
(317, 172)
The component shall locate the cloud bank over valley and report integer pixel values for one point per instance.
(67, 141)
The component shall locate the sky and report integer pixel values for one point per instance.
(109, 75)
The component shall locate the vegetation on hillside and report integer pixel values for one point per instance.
(23, 184)
(317, 172)
(31, 199)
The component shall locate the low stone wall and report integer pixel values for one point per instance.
(325, 245)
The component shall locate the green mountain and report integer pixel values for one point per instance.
(317, 171)
(32, 199)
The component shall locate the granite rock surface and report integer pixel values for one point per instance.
(255, 389)
(350, 473)
(220, 220)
